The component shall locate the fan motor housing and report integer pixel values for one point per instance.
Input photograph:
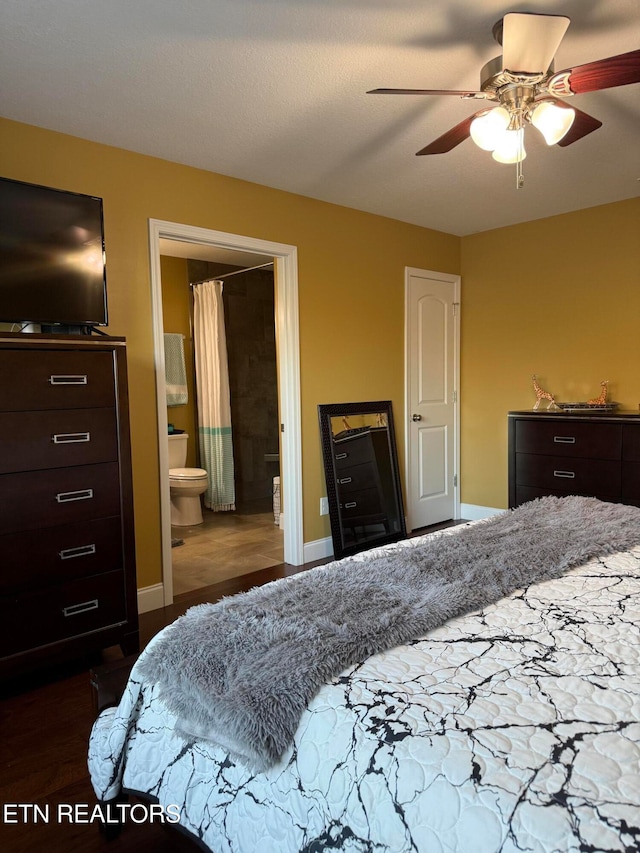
(494, 77)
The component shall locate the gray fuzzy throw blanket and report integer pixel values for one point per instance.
(241, 672)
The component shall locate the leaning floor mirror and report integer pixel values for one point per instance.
(362, 476)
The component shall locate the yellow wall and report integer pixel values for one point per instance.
(558, 297)
(351, 288)
(177, 319)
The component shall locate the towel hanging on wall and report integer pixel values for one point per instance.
(175, 370)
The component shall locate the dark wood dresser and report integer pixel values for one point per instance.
(67, 556)
(554, 453)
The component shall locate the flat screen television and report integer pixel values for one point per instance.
(52, 258)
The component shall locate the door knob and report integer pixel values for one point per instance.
(416, 417)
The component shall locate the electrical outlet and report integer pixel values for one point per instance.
(324, 506)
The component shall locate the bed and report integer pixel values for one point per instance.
(511, 727)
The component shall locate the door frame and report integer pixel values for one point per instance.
(288, 365)
(455, 280)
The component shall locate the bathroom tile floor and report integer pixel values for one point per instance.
(226, 545)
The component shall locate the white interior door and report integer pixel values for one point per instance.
(432, 349)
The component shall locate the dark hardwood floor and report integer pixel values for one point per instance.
(45, 721)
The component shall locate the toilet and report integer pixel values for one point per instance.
(185, 484)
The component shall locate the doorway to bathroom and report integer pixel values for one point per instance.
(246, 535)
(228, 544)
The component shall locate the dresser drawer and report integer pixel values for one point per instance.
(353, 451)
(59, 554)
(571, 476)
(568, 438)
(631, 443)
(356, 477)
(365, 502)
(55, 379)
(36, 499)
(31, 441)
(528, 493)
(631, 482)
(68, 610)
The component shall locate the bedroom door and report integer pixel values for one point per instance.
(432, 379)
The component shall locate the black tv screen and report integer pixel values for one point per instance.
(52, 260)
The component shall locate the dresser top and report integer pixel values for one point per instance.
(558, 414)
(35, 339)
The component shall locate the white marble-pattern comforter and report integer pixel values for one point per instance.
(515, 728)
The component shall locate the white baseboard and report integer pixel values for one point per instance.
(150, 598)
(318, 550)
(473, 512)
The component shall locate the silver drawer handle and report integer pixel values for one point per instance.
(75, 609)
(79, 495)
(61, 379)
(351, 505)
(80, 551)
(71, 437)
(569, 475)
(345, 480)
(341, 455)
(564, 439)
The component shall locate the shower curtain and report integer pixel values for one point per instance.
(212, 385)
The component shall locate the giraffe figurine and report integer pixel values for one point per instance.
(602, 399)
(541, 395)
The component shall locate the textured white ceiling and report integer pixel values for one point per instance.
(273, 91)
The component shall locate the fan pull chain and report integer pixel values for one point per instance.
(519, 170)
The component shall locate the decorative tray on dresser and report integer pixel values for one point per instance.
(590, 453)
(67, 577)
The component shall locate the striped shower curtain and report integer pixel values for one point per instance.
(212, 385)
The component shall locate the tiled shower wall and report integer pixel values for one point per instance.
(249, 312)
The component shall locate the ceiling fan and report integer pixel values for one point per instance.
(525, 85)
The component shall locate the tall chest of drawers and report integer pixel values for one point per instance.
(553, 453)
(67, 555)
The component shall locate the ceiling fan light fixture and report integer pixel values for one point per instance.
(552, 121)
(511, 147)
(488, 129)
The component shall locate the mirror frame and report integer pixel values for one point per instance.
(326, 411)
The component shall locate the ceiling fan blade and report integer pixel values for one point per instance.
(451, 138)
(464, 94)
(530, 41)
(583, 124)
(602, 74)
